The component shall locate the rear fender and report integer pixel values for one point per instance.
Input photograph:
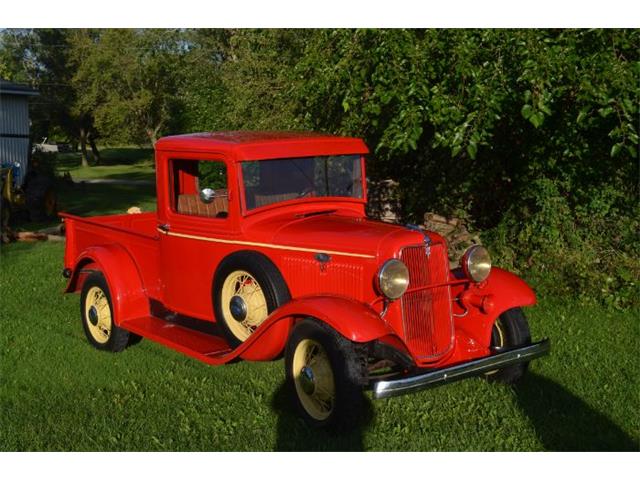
(125, 285)
(353, 320)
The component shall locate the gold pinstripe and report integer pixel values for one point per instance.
(265, 245)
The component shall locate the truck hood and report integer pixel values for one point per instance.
(343, 233)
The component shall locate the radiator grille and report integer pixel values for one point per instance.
(426, 314)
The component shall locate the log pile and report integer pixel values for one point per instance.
(52, 234)
(455, 232)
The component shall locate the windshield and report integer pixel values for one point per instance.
(271, 181)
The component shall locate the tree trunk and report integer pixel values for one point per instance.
(152, 133)
(83, 148)
(94, 150)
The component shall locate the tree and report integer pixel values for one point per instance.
(130, 79)
(44, 58)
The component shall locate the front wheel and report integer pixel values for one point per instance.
(510, 330)
(325, 373)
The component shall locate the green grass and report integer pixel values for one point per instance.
(117, 163)
(58, 393)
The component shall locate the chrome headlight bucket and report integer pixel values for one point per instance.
(476, 263)
(393, 279)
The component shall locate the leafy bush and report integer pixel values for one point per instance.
(530, 134)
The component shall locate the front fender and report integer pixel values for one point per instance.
(353, 320)
(486, 302)
(128, 295)
(508, 291)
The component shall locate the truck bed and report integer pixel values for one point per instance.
(134, 232)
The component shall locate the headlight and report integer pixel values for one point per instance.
(393, 279)
(476, 263)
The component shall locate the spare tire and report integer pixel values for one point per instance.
(247, 287)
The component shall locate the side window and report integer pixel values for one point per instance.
(200, 188)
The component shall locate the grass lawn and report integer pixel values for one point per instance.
(117, 163)
(58, 393)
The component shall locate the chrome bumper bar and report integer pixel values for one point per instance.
(400, 386)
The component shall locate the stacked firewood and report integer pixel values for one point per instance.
(455, 232)
(52, 234)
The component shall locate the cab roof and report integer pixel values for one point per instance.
(261, 145)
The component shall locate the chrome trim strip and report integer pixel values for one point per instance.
(264, 245)
(392, 388)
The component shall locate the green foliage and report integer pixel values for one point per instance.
(532, 135)
(212, 175)
(129, 77)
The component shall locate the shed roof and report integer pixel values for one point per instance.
(256, 145)
(10, 88)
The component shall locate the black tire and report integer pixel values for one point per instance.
(267, 276)
(348, 367)
(117, 338)
(510, 330)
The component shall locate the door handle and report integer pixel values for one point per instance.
(164, 227)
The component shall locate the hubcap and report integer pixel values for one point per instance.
(93, 315)
(238, 308)
(307, 380)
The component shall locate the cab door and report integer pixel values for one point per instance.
(200, 219)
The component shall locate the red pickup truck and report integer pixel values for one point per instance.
(260, 247)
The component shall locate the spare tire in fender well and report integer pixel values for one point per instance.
(273, 286)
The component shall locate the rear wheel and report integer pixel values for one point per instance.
(510, 330)
(325, 374)
(96, 310)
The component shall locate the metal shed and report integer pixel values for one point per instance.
(15, 142)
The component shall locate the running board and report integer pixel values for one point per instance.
(211, 349)
(400, 386)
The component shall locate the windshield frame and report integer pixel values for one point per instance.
(303, 200)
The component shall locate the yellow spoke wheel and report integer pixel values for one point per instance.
(313, 379)
(97, 314)
(243, 302)
(325, 373)
(98, 321)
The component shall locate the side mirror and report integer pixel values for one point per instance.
(207, 195)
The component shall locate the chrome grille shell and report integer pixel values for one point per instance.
(426, 313)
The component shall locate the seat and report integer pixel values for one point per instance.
(268, 199)
(190, 204)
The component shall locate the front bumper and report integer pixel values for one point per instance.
(400, 386)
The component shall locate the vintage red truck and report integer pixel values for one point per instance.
(260, 247)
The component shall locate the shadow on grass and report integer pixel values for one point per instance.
(102, 199)
(563, 422)
(295, 435)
